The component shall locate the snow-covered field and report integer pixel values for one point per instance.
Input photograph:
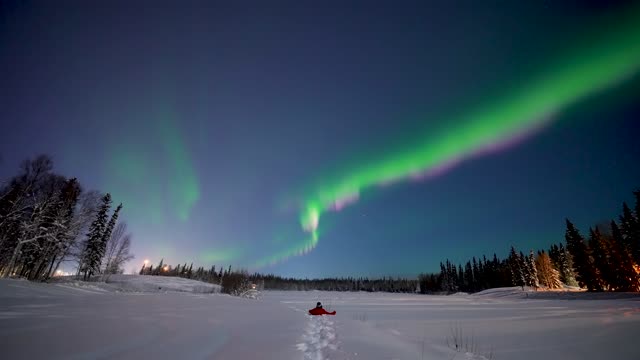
(101, 321)
(141, 284)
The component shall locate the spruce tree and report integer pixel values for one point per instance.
(630, 230)
(524, 265)
(159, 267)
(626, 278)
(92, 257)
(515, 266)
(635, 240)
(533, 273)
(480, 275)
(475, 286)
(600, 255)
(468, 278)
(452, 277)
(583, 266)
(495, 272)
(444, 278)
(107, 232)
(554, 255)
(565, 267)
(212, 275)
(548, 276)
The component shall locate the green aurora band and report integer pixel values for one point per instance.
(603, 61)
(174, 187)
(183, 186)
(221, 256)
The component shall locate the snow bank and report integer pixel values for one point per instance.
(142, 284)
(568, 293)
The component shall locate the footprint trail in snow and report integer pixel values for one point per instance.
(318, 339)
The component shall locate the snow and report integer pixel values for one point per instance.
(65, 321)
(140, 283)
(129, 318)
(148, 283)
(318, 338)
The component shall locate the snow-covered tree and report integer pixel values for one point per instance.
(548, 276)
(22, 206)
(93, 252)
(62, 226)
(37, 226)
(42, 215)
(84, 213)
(532, 276)
(563, 262)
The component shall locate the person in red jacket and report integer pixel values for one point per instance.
(318, 310)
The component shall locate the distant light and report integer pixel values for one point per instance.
(146, 261)
(61, 273)
(166, 268)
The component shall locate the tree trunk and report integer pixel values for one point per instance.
(38, 272)
(62, 256)
(12, 262)
(49, 273)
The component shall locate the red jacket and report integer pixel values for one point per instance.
(320, 311)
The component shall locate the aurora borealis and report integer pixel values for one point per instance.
(131, 168)
(609, 60)
(338, 139)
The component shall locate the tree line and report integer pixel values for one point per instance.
(231, 280)
(385, 284)
(608, 260)
(47, 219)
(211, 275)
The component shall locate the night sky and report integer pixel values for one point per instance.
(319, 139)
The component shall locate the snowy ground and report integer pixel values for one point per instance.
(75, 321)
(141, 284)
(498, 324)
